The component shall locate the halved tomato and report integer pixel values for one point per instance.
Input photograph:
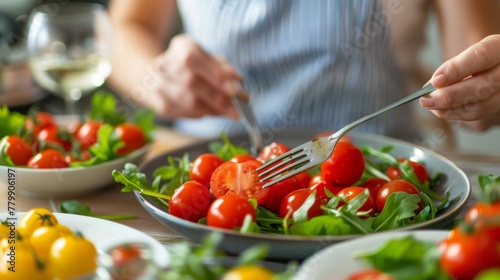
(238, 178)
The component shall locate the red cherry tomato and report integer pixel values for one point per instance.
(370, 274)
(16, 149)
(87, 134)
(295, 199)
(345, 166)
(320, 187)
(396, 186)
(125, 254)
(374, 185)
(132, 135)
(279, 191)
(40, 121)
(84, 155)
(271, 151)
(351, 192)
(482, 215)
(241, 158)
(229, 212)
(190, 201)
(316, 178)
(419, 169)
(202, 168)
(54, 136)
(238, 178)
(304, 178)
(463, 256)
(49, 158)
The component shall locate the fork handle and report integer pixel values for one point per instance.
(421, 92)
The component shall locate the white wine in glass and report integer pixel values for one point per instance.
(69, 47)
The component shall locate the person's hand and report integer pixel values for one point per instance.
(193, 83)
(469, 86)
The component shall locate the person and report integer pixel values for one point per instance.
(469, 86)
(304, 64)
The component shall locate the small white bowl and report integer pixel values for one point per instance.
(65, 182)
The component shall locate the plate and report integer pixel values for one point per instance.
(69, 182)
(300, 247)
(338, 261)
(106, 234)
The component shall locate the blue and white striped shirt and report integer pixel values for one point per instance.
(307, 64)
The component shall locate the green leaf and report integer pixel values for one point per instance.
(103, 107)
(145, 120)
(253, 254)
(4, 157)
(300, 215)
(226, 150)
(398, 209)
(10, 122)
(489, 188)
(268, 221)
(174, 174)
(134, 180)
(75, 207)
(322, 225)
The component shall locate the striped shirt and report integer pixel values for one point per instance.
(307, 64)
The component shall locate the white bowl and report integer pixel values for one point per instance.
(65, 182)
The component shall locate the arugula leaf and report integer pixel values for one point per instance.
(10, 122)
(75, 207)
(145, 120)
(300, 215)
(269, 221)
(103, 107)
(489, 188)
(134, 180)
(398, 209)
(226, 150)
(406, 258)
(174, 174)
(322, 225)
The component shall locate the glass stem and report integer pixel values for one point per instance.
(71, 101)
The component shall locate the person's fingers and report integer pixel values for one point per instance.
(475, 59)
(472, 112)
(472, 90)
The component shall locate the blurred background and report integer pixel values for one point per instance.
(19, 91)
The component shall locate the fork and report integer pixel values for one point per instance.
(248, 119)
(319, 149)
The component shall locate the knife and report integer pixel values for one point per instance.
(248, 119)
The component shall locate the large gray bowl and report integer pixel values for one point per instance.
(286, 247)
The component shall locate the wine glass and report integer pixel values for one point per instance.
(68, 46)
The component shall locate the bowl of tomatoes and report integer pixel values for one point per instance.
(370, 184)
(44, 155)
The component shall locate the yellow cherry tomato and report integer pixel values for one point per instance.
(20, 262)
(34, 219)
(4, 229)
(43, 238)
(248, 272)
(72, 256)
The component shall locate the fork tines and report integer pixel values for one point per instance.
(284, 166)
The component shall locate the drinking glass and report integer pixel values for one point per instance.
(68, 46)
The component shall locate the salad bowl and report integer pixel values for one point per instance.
(287, 247)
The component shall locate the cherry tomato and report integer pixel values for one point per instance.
(23, 260)
(6, 228)
(229, 212)
(351, 192)
(396, 186)
(345, 166)
(87, 134)
(463, 256)
(16, 149)
(132, 135)
(481, 215)
(72, 256)
(126, 254)
(84, 155)
(249, 272)
(295, 199)
(304, 178)
(242, 158)
(43, 237)
(73, 128)
(320, 186)
(373, 185)
(39, 121)
(54, 136)
(279, 191)
(419, 169)
(34, 219)
(370, 274)
(49, 158)
(272, 150)
(238, 178)
(202, 168)
(190, 201)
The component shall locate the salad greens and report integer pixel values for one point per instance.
(398, 212)
(75, 207)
